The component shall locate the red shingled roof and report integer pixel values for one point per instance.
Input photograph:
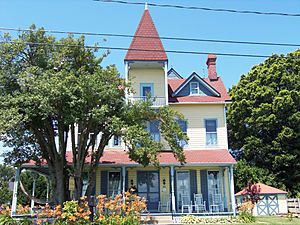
(264, 189)
(212, 156)
(146, 28)
(218, 85)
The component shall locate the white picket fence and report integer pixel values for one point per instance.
(294, 205)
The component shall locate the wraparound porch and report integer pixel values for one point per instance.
(201, 189)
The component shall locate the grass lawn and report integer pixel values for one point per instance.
(276, 220)
(272, 220)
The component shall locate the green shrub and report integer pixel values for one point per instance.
(246, 217)
(7, 220)
(190, 219)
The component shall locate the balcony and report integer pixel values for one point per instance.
(156, 101)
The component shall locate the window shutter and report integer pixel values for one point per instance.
(204, 186)
(104, 182)
(193, 182)
(126, 181)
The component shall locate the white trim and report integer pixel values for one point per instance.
(15, 192)
(126, 80)
(194, 75)
(217, 125)
(175, 72)
(232, 197)
(120, 183)
(123, 181)
(225, 125)
(166, 83)
(198, 88)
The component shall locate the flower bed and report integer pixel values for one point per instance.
(125, 210)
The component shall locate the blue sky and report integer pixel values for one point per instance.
(91, 16)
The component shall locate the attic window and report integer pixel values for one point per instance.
(194, 88)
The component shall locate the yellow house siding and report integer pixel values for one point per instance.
(198, 181)
(98, 183)
(132, 176)
(155, 76)
(196, 115)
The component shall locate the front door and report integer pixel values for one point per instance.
(183, 188)
(148, 187)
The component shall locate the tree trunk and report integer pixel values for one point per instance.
(92, 183)
(78, 186)
(61, 183)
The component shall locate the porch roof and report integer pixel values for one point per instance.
(264, 189)
(193, 157)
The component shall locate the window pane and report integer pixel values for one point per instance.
(194, 85)
(211, 125)
(153, 182)
(211, 138)
(194, 88)
(142, 182)
(146, 90)
(154, 131)
(117, 140)
(183, 125)
(114, 183)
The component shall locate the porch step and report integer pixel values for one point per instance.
(157, 219)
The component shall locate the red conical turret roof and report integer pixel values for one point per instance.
(154, 50)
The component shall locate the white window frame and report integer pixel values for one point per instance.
(183, 144)
(157, 134)
(210, 132)
(197, 88)
(119, 141)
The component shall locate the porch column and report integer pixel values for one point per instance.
(224, 189)
(232, 191)
(123, 179)
(15, 192)
(173, 190)
(47, 193)
(33, 193)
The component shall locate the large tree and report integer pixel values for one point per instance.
(49, 87)
(264, 118)
(6, 174)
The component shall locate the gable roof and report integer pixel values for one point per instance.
(197, 77)
(218, 85)
(146, 38)
(264, 189)
(173, 71)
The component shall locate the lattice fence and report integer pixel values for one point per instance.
(294, 205)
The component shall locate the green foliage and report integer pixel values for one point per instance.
(6, 174)
(244, 172)
(7, 220)
(43, 85)
(264, 118)
(246, 217)
(27, 178)
(190, 219)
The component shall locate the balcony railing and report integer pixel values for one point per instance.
(156, 101)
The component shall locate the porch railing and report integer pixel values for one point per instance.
(156, 101)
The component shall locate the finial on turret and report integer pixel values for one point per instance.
(146, 6)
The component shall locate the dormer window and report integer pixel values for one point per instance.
(194, 87)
